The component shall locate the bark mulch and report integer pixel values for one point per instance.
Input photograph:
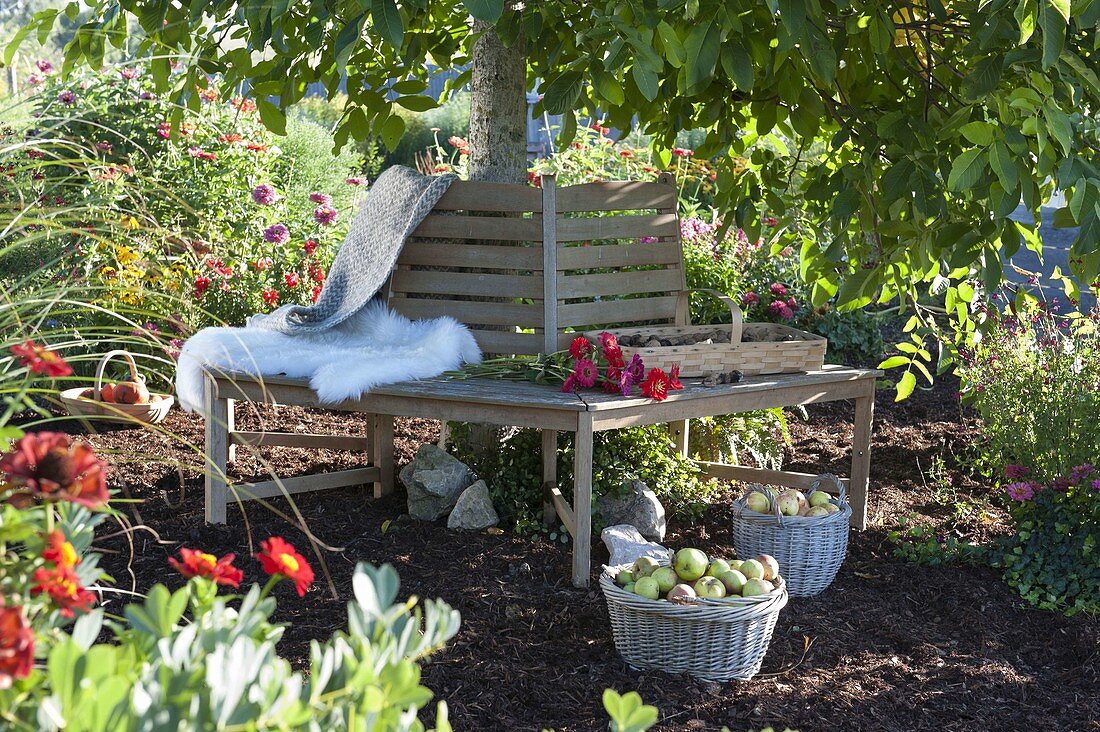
(890, 646)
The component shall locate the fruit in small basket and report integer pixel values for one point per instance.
(817, 511)
(770, 565)
(756, 586)
(131, 392)
(735, 564)
(107, 393)
(758, 502)
(88, 393)
(629, 587)
(680, 593)
(733, 581)
(819, 498)
(624, 577)
(690, 564)
(644, 567)
(788, 503)
(752, 569)
(710, 587)
(647, 587)
(666, 579)
(831, 508)
(717, 567)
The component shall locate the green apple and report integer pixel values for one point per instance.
(690, 564)
(647, 587)
(752, 569)
(758, 502)
(770, 565)
(756, 587)
(832, 508)
(735, 563)
(629, 587)
(817, 511)
(710, 587)
(624, 578)
(819, 498)
(666, 578)
(645, 566)
(717, 567)
(788, 503)
(733, 581)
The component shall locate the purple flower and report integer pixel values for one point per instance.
(781, 309)
(1016, 472)
(749, 299)
(1096, 484)
(128, 73)
(67, 98)
(34, 80)
(1021, 491)
(1078, 474)
(264, 194)
(648, 240)
(356, 181)
(324, 215)
(277, 234)
(44, 66)
(778, 289)
(323, 198)
(636, 369)
(626, 381)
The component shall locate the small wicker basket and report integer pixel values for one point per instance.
(152, 413)
(714, 640)
(809, 549)
(751, 348)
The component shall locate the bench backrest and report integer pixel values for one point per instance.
(524, 266)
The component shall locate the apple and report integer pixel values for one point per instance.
(831, 508)
(735, 563)
(644, 567)
(88, 393)
(758, 502)
(770, 565)
(647, 587)
(752, 569)
(131, 392)
(803, 510)
(710, 587)
(819, 498)
(802, 500)
(107, 393)
(690, 564)
(629, 587)
(624, 578)
(666, 578)
(680, 593)
(756, 586)
(788, 504)
(733, 581)
(817, 511)
(717, 567)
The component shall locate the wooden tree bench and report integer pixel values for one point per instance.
(526, 269)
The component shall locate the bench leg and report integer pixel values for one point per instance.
(218, 419)
(861, 458)
(549, 473)
(678, 431)
(382, 453)
(582, 501)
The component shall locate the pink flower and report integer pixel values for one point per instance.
(580, 347)
(324, 215)
(276, 234)
(636, 369)
(356, 181)
(570, 384)
(1021, 491)
(459, 144)
(778, 289)
(749, 299)
(200, 154)
(128, 73)
(585, 372)
(626, 382)
(1016, 472)
(320, 198)
(44, 66)
(1081, 472)
(67, 98)
(264, 194)
(34, 80)
(264, 263)
(682, 152)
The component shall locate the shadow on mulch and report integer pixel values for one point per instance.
(889, 646)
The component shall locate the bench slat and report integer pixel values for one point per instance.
(466, 311)
(498, 341)
(466, 283)
(617, 311)
(616, 196)
(484, 256)
(483, 196)
(498, 228)
(618, 255)
(619, 283)
(617, 227)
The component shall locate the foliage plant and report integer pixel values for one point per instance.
(1053, 557)
(755, 438)
(1035, 381)
(854, 337)
(200, 206)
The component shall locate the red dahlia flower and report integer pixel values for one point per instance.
(656, 385)
(41, 360)
(580, 347)
(16, 645)
(48, 465)
(200, 564)
(280, 558)
(674, 377)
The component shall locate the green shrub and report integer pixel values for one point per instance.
(854, 337)
(325, 113)
(731, 438)
(423, 130)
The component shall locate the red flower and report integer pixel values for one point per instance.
(570, 384)
(316, 293)
(255, 147)
(458, 143)
(230, 138)
(199, 564)
(534, 179)
(310, 246)
(202, 283)
(41, 360)
(580, 347)
(626, 153)
(682, 153)
(674, 377)
(280, 558)
(64, 588)
(292, 279)
(48, 465)
(656, 385)
(585, 372)
(270, 296)
(317, 274)
(16, 645)
(59, 551)
(243, 105)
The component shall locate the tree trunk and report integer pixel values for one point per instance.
(498, 108)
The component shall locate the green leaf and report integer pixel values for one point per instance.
(978, 133)
(846, 203)
(1025, 17)
(1062, 7)
(272, 117)
(388, 22)
(627, 712)
(893, 362)
(417, 103)
(392, 130)
(346, 40)
(561, 93)
(702, 47)
(646, 80)
(737, 64)
(985, 77)
(895, 183)
(1060, 126)
(673, 46)
(1004, 165)
(1053, 26)
(487, 10)
(608, 87)
(905, 386)
(967, 170)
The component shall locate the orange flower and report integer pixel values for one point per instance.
(48, 465)
(656, 385)
(281, 559)
(16, 645)
(64, 588)
(199, 564)
(59, 551)
(41, 360)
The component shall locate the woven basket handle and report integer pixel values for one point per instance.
(758, 488)
(103, 366)
(736, 320)
(841, 490)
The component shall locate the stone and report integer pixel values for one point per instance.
(474, 509)
(636, 505)
(434, 479)
(625, 544)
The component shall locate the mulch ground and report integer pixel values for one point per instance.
(889, 646)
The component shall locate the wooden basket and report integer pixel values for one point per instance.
(152, 413)
(810, 549)
(714, 640)
(751, 348)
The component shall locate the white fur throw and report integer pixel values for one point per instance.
(374, 346)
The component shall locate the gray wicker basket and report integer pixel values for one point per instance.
(714, 640)
(809, 550)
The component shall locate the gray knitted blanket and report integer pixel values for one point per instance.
(395, 205)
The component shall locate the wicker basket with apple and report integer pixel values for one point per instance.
(125, 401)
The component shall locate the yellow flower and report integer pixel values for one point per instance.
(125, 254)
(129, 222)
